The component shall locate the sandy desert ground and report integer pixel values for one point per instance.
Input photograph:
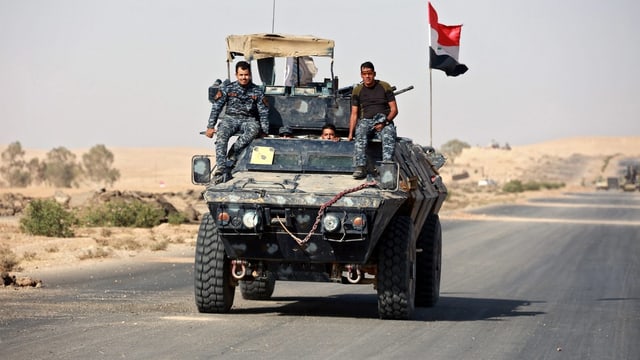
(576, 162)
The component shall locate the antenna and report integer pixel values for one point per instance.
(273, 16)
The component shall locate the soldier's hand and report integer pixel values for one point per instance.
(210, 133)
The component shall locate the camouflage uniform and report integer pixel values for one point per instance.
(372, 111)
(244, 106)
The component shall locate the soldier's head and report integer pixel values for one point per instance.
(328, 132)
(285, 132)
(243, 73)
(368, 73)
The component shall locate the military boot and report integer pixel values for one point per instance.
(360, 172)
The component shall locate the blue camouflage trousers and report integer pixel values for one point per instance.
(365, 131)
(247, 129)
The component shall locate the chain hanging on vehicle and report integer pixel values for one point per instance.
(323, 207)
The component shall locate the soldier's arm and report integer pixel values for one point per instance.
(352, 121)
(219, 100)
(393, 110)
(391, 100)
(355, 109)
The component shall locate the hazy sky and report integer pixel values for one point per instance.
(77, 73)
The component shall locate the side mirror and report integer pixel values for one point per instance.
(200, 170)
(388, 175)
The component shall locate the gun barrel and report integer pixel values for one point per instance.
(403, 90)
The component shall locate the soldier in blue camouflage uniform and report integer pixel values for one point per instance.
(373, 108)
(245, 104)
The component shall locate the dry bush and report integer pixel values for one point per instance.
(159, 245)
(29, 255)
(8, 259)
(52, 249)
(98, 253)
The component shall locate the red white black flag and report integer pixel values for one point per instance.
(445, 46)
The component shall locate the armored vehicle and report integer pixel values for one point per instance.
(291, 210)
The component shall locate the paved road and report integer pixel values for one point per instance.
(553, 279)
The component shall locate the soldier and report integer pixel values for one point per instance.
(373, 108)
(285, 132)
(245, 103)
(329, 133)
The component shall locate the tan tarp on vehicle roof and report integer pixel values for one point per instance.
(260, 46)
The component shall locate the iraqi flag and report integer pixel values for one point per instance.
(445, 46)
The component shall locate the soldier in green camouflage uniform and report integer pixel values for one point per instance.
(246, 104)
(373, 108)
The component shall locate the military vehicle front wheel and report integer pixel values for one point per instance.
(260, 288)
(397, 270)
(213, 287)
(428, 262)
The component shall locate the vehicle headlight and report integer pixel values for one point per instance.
(250, 219)
(331, 222)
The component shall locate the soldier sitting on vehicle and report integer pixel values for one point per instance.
(245, 103)
(373, 108)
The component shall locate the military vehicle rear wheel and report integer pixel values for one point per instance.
(428, 262)
(213, 287)
(260, 288)
(397, 270)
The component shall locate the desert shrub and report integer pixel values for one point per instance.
(159, 245)
(176, 218)
(47, 217)
(552, 185)
(8, 259)
(123, 213)
(513, 186)
(90, 254)
(29, 255)
(126, 244)
(531, 186)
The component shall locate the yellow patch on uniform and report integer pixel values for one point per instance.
(218, 95)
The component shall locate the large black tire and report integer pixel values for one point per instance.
(429, 262)
(397, 270)
(213, 287)
(258, 289)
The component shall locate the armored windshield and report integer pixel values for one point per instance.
(298, 155)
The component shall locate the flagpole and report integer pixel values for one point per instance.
(273, 16)
(430, 108)
(430, 81)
